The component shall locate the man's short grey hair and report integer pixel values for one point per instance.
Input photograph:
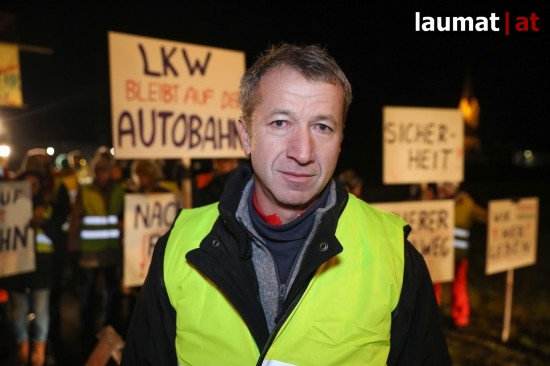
(312, 62)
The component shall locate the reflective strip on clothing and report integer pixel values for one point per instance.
(43, 243)
(461, 244)
(276, 363)
(100, 220)
(461, 238)
(44, 239)
(100, 234)
(461, 233)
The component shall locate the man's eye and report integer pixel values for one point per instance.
(323, 128)
(278, 124)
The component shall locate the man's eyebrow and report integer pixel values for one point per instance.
(319, 117)
(325, 117)
(276, 111)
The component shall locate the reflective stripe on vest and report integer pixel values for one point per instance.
(98, 231)
(100, 234)
(100, 225)
(100, 220)
(275, 363)
(43, 242)
(461, 238)
(336, 322)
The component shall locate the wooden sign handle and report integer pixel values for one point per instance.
(110, 344)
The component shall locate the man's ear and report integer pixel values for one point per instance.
(244, 135)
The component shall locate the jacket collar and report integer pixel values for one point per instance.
(239, 183)
(234, 272)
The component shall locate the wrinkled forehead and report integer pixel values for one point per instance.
(287, 79)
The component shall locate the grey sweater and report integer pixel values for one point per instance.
(272, 291)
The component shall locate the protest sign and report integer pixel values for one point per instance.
(17, 254)
(146, 218)
(422, 145)
(172, 100)
(11, 94)
(432, 224)
(511, 234)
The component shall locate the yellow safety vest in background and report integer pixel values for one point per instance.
(44, 243)
(100, 228)
(464, 206)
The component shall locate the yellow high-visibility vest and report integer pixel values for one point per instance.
(343, 317)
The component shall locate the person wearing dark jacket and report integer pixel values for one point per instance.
(210, 186)
(287, 268)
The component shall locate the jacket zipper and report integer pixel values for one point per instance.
(282, 296)
(277, 327)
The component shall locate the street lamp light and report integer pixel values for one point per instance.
(5, 151)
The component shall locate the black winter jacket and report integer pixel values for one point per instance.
(417, 337)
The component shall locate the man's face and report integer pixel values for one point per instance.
(293, 139)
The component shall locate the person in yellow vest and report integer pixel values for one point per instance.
(95, 234)
(29, 293)
(287, 268)
(466, 212)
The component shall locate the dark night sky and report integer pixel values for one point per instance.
(67, 93)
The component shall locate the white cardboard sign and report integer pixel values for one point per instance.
(512, 234)
(422, 145)
(146, 218)
(17, 253)
(432, 223)
(173, 100)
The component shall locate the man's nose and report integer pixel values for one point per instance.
(301, 146)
